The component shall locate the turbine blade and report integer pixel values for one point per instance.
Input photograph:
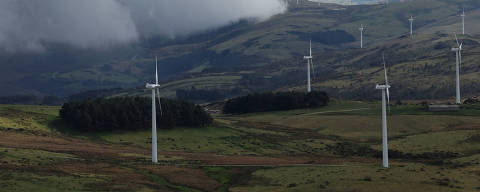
(460, 59)
(388, 96)
(388, 99)
(310, 47)
(386, 80)
(313, 69)
(456, 39)
(311, 60)
(385, 68)
(156, 70)
(159, 102)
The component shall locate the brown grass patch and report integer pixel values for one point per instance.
(66, 145)
(185, 176)
(467, 127)
(115, 178)
(213, 159)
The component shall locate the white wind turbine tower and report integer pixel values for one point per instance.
(385, 92)
(458, 53)
(154, 88)
(463, 21)
(309, 63)
(411, 25)
(361, 35)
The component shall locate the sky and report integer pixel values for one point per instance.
(27, 25)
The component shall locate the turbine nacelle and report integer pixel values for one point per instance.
(382, 87)
(307, 57)
(152, 86)
(362, 27)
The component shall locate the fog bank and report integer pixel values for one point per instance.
(27, 25)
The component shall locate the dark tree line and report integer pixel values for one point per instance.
(132, 113)
(262, 102)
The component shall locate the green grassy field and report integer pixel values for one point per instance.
(400, 177)
(326, 149)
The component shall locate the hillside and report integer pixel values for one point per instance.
(249, 56)
(421, 67)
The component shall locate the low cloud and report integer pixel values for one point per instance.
(27, 25)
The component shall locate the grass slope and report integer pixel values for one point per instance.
(300, 150)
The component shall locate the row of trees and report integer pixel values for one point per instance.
(131, 113)
(261, 102)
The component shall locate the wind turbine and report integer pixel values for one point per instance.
(309, 63)
(463, 21)
(385, 92)
(154, 88)
(458, 53)
(411, 25)
(361, 35)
